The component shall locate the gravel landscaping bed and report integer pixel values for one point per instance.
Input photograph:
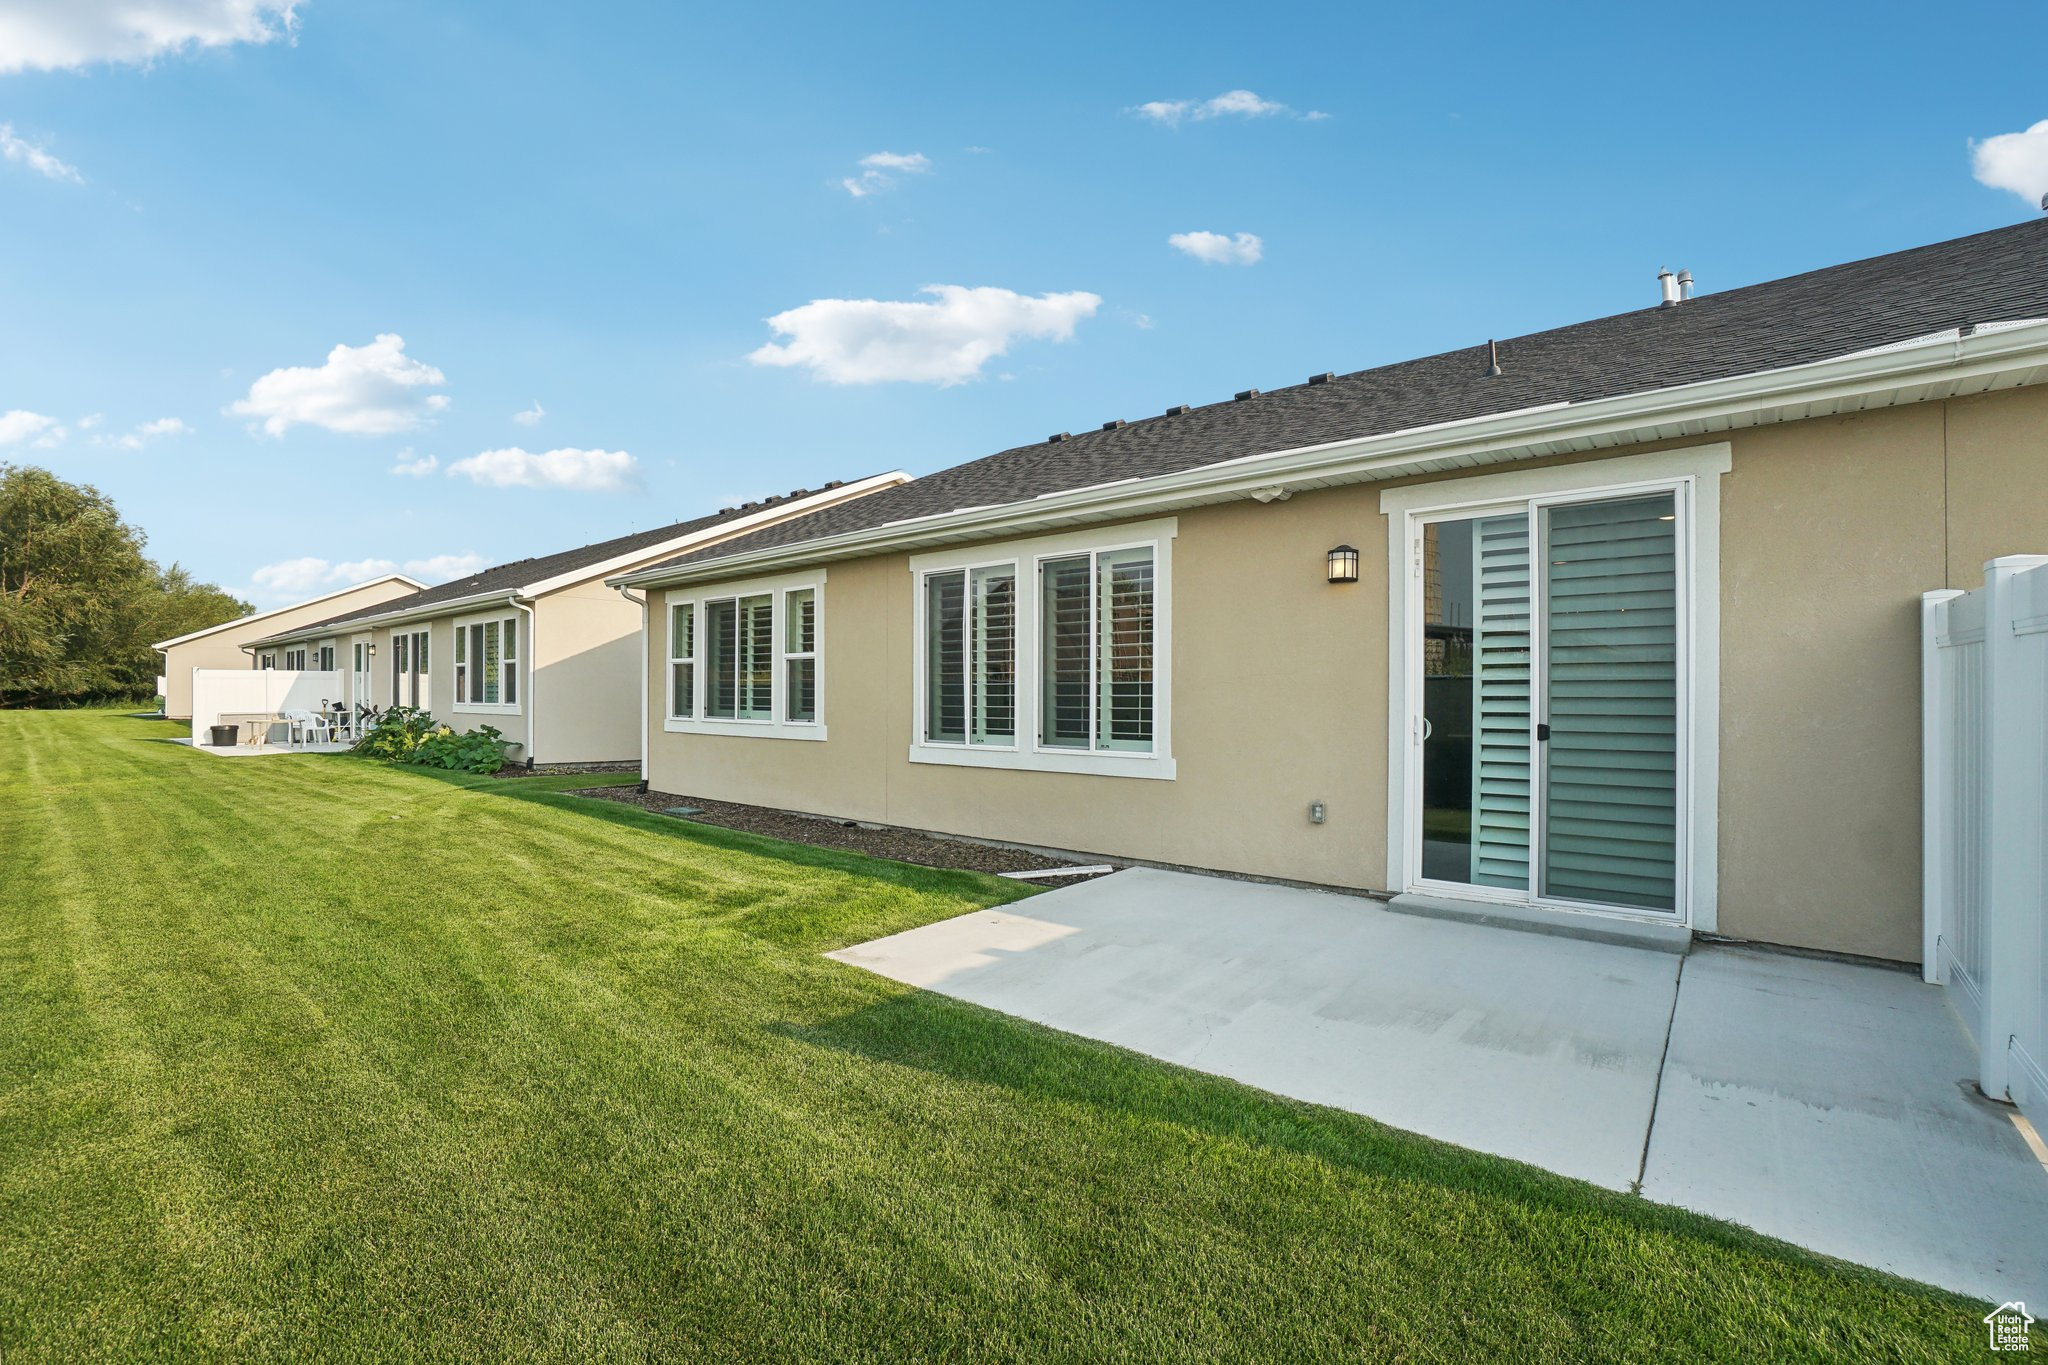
(899, 845)
(631, 765)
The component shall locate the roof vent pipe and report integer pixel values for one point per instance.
(1493, 360)
(1668, 284)
(1684, 285)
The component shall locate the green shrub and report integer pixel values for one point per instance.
(406, 734)
(397, 733)
(481, 750)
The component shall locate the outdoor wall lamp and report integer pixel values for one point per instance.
(1343, 564)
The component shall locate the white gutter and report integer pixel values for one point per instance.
(395, 617)
(645, 725)
(1939, 367)
(724, 530)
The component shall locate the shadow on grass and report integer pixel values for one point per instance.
(556, 791)
(978, 1046)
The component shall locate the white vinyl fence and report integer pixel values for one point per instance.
(218, 692)
(1984, 780)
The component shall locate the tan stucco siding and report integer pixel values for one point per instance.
(1830, 531)
(223, 649)
(586, 676)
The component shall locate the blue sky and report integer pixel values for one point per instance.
(595, 209)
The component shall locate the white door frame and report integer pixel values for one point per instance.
(1693, 474)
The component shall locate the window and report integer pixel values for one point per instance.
(295, 658)
(323, 658)
(746, 658)
(268, 661)
(971, 656)
(682, 659)
(742, 658)
(1097, 678)
(487, 663)
(800, 653)
(1046, 654)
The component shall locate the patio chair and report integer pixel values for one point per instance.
(306, 727)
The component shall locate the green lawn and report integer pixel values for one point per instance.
(308, 1058)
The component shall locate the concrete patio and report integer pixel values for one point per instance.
(1819, 1102)
(265, 750)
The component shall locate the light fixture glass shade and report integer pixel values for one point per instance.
(1343, 564)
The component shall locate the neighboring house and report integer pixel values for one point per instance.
(1616, 622)
(541, 649)
(227, 645)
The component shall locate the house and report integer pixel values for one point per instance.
(227, 645)
(541, 648)
(1609, 627)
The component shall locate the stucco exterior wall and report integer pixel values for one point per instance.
(1830, 530)
(587, 676)
(223, 649)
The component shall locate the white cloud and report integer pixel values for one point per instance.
(25, 153)
(1229, 104)
(2014, 161)
(876, 168)
(1217, 248)
(88, 422)
(415, 468)
(531, 416)
(945, 341)
(20, 425)
(140, 436)
(584, 471)
(373, 390)
(446, 568)
(291, 579)
(52, 35)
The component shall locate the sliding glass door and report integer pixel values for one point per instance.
(1552, 701)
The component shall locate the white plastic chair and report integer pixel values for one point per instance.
(305, 727)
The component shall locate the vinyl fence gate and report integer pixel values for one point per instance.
(1984, 799)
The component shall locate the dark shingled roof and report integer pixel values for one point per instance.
(507, 578)
(1994, 276)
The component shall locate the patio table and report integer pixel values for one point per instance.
(259, 723)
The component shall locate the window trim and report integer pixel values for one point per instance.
(466, 668)
(669, 681)
(1029, 753)
(1693, 473)
(777, 589)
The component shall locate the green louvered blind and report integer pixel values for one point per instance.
(1611, 579)
(1500, 724)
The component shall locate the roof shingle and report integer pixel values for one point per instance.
(1995, 276)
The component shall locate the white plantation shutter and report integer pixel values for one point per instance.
(1500, 725)
(1065, 661)
(1125, 651)
(1611, 573)
(993, 665)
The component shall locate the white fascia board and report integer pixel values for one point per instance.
(254, 617)
(396, 617)
(528, 591)
(1939, 367)
(753, 521)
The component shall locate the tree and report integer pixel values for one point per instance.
(80, 604)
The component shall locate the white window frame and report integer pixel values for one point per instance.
(322, 657)
(1028, 753)
(1693, 476)
(777, 590)
(518, 661)
(296, 653)
(668, 690)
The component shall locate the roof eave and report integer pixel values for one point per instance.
(279, 611)
(1937, 368)
(321, 630)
